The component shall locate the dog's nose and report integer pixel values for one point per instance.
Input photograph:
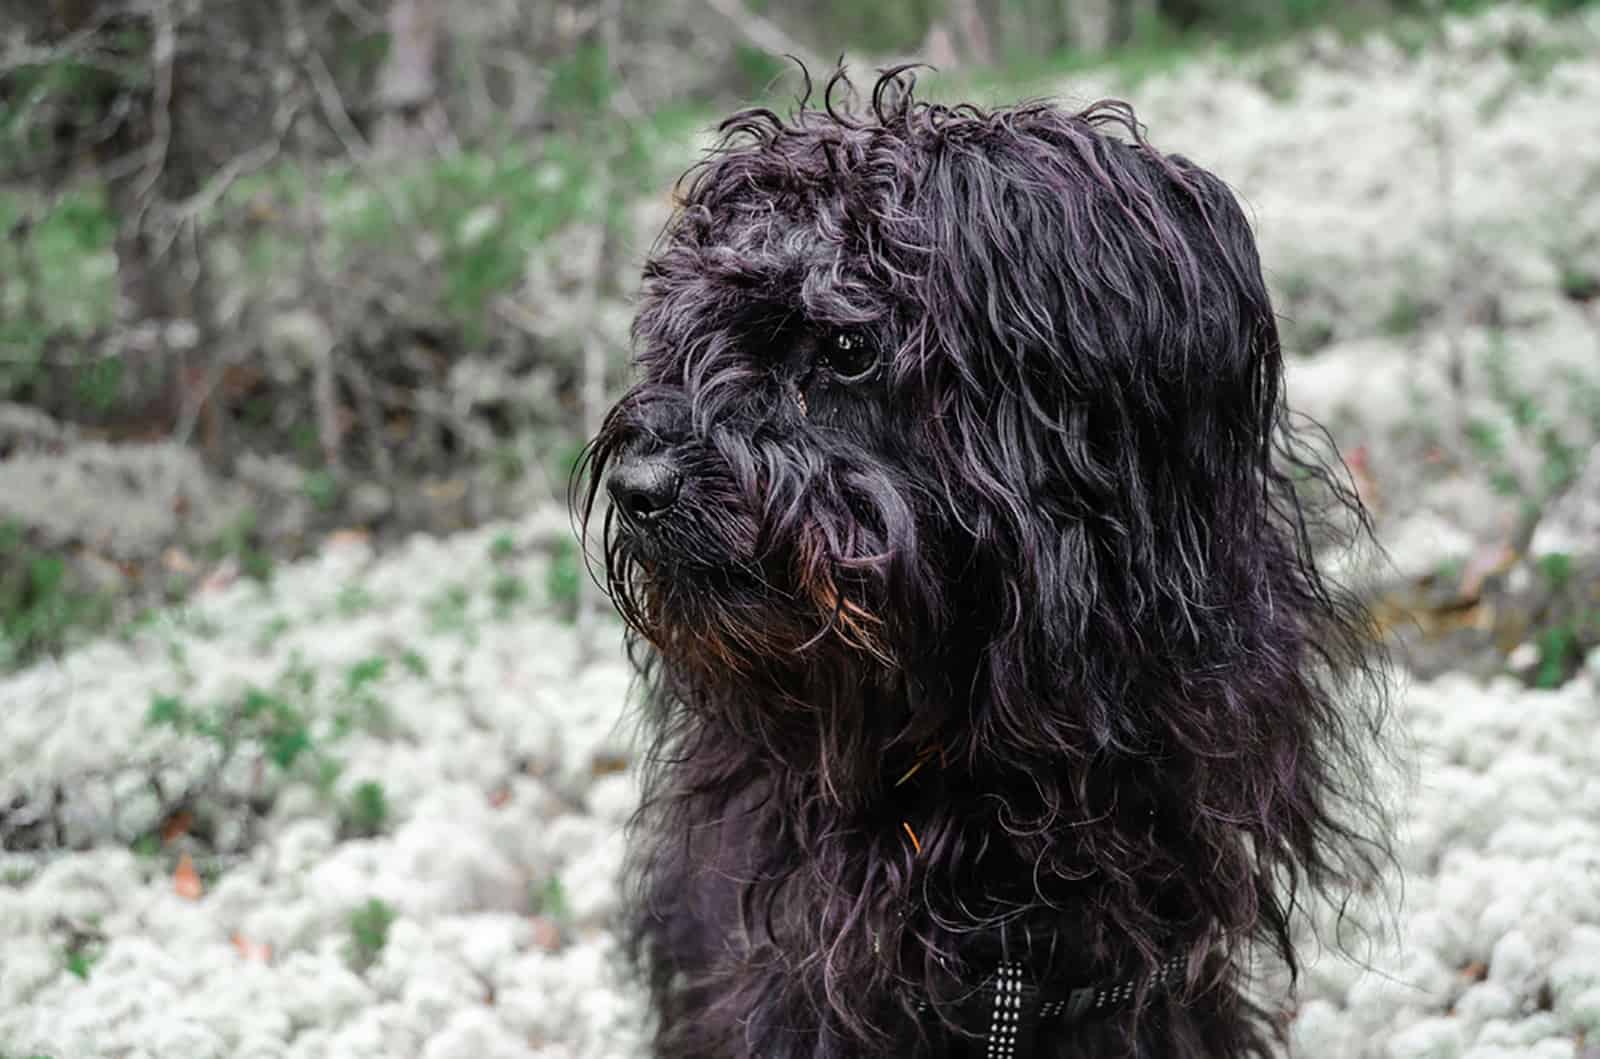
(643, 488)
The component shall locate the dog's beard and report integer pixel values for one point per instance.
(722, 594)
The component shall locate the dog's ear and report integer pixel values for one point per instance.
(1101, 364)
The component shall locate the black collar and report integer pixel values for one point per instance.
(1009, 1009)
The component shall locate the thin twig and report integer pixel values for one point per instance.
(21, 56)
(371, 415)
(163, 55)
(1445, 155)
(333, 108)
(331, 103)
(360, 17)
(183, 216)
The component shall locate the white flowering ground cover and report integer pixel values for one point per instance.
(417, 789)
(496, 758)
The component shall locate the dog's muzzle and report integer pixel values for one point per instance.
(644, 488)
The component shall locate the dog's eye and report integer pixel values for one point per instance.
(849, 357)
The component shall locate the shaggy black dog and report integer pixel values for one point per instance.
(998, 704)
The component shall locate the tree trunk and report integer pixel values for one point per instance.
(969, 25)
(1132, 18)
(412, 119)
(1090, 24)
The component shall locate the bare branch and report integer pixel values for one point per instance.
(622, 99)
(181, 217)
(333, 108)
(406, 81)
(163, 56)
(360, 17)
(371, 415)
(77, 46)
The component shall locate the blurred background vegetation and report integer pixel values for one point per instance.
(274, 269)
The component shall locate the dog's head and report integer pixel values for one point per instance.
(914, 380)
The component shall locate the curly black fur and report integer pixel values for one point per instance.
(984, 465)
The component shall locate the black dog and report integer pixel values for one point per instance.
(999, 707)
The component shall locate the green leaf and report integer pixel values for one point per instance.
(285, 747)
(166, 710)
(366, 672)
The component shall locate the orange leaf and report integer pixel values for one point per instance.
(186, 880)
(347, 538)
(252, 950)
(546, 934)
(176, 826)
(177, 561)
(1359, 461)
(221, 576)
(1487, 561)
(604, 763)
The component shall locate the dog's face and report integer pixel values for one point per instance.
(919, 379)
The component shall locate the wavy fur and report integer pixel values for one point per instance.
(1052, 553)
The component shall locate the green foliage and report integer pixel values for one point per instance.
(489, 206)
(365, 672)
(758, 69)
(359, 706)
(1565, 625)
(509, 462)
(79, 961)
(1579, 283)
(415, 664)
(369, 933)
(17, 874)
(99, 383)
(581, 83)
(322, 489)
(836, 25)
(244, 541)
(1406, 315)
(564, 575)
(84, 947)
(367, 811)
(1560, 651)
(57, 279)
(486, 210)
(41, 608)
(1561, 456)
(75, 91)
(1257, 21)
(549, 899)
(507, 590)
(447, 609)
(273, 631)
(293, 731)
(353, 600)
(1556, 567)
(267, 721)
